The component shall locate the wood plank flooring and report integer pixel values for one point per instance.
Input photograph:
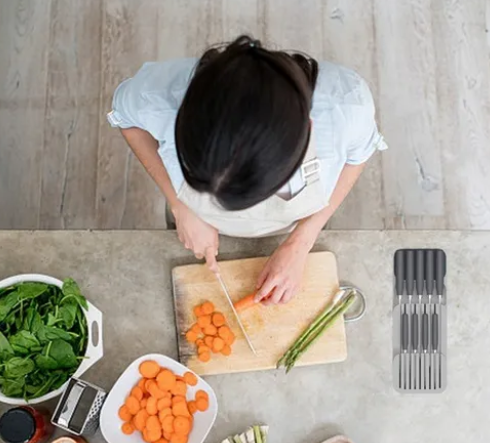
(427, 62)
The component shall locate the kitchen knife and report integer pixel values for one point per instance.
(225, 290)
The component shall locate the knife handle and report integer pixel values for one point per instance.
(419, 270)
(429, 271)
(410, 270)
(425, 331)
(399, 271)
(440, 262)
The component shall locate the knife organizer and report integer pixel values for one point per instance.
(419, 321)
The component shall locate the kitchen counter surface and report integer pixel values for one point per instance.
(127, 274)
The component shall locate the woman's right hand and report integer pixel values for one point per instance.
(197, 235)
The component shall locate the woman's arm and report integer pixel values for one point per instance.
(284, 270)
(196, 235)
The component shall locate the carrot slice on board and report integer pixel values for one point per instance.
(197, 310)
(199, 342)
(204, 320)
(127, 428)
(204, 356)
(133, 405)
(124, 413)
(226, 350)
(191, 336)
(202, 349)
(149, 369)
(190, 379)
(218, 319)
(208, 341)
(210, 330)
(218, 344)
(207, 308)
(196, 328)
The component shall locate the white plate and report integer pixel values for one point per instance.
(94, 352)
(110, 423)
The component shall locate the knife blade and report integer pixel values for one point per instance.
(225, 290)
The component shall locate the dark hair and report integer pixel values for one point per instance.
(243, 127)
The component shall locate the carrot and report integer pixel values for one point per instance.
(197, 310)
(202, 404)
(210, 330)
(218, 319)
(202, 394)
(137, 392)
(167, 435)
(226, 350)
(180, 409)
(180, 388)
(168, 424)
(139, 420)
(207, 308)
(151, 406)
(149, 369)
(124, 413)
(218, 344)
(161, 440)
(166, 380)
(141, 385)
(154, 434)
(199, 342)
(132, 404)
(156, 392)
(127, 428)
(182, 425)
(177, 399)
(196, 328)
(148, 383)
(145, 436)
(191, 336)
(245, 302)
(143, 403)
(208, 341)
(204, 356)
(176, 438)
(202, 349)
(153, 423)
(190, 379)
(224, 332)
(192, 407)
(163, 403)
(204, 320)
(164, 413)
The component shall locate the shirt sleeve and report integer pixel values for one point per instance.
(364, 138)
(126, 103)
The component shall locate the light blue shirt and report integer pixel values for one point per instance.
(343, 116)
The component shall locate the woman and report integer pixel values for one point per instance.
(250, 142)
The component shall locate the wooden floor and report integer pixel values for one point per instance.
(427, 61)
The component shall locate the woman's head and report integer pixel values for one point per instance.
(243, 127)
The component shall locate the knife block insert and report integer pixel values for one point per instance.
(419, 321)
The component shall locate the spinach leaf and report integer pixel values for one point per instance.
(31, 290)
(18, 367)
(13, 387)
(5, 348)
(23, 342)
(48, 333)
(68, 313)
(46, 362)
(62, 352)
(71, 292)
(32, 320)
(7, 304)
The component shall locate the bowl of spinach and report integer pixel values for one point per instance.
(46, 336)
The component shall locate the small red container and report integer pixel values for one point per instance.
(25, 425)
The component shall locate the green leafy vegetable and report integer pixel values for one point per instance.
(43, 337)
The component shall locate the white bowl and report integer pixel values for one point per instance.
(94, 351)
(110, 423)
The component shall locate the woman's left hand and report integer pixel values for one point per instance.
(282, 273)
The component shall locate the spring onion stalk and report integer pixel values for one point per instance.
(326, 319)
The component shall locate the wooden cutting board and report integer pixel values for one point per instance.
(272, 329)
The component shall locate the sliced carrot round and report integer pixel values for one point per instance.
(164, 413)
(153, 423)
(202, 394)
(208, 341)
(141, 385)
(204, 356)
(168, 424)
(143, 403)
(202, 404)
(210, 330)
(226, 350)
(137, 392)
(180, 388)
(190, 379)
(124, 413)
(207, 308)
(149, 369)
(197, 310)
(199, 342)
(191, 336)
(180, 409)
(151, 406)
(177, 399)
(139, 420)
(218, 319)
(145, 436)
(127, 428)
(166, 380)
(182, 425)
(203, 321)
(162, 440)
(196, 328)
(177, 438)
(167, 435)
(192, 407)
(154, 434)
(218, 344)
(156, 392)
(163, 403)
(202, 349)
(132, 404)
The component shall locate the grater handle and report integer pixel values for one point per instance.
(399, 271)
(410, 270)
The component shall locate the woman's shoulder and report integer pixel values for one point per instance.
(338, 85)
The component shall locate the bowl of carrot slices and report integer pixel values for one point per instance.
(158, 400)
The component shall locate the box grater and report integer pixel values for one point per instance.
(419, 321)
(79, 408)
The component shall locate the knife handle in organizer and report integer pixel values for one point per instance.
(435, 331)
(404, 332)
(410, 270)
(419, 271)
(415, 331)
(425, 331)
(429, 271)
(440, 270)
(399, 271)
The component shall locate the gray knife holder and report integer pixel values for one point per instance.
(419, 321)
